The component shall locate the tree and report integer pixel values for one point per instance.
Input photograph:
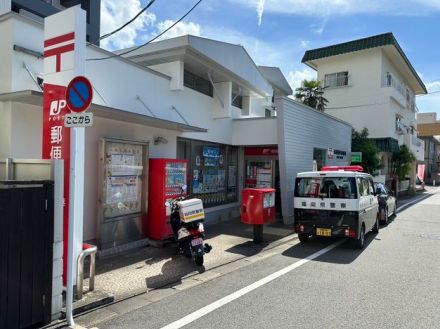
(401, 162)
(311, 94)
(370, 154)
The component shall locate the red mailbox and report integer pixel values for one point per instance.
(258, 206)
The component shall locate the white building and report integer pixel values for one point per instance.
(371, 83)
(174, 98)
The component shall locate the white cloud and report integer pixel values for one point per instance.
(433, 86)
(430, 102)
(181, 28)
(305, 44)
(260, 10)
(113, 15)
(326, 8)
(296, 77)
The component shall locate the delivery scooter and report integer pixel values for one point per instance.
(186, 217)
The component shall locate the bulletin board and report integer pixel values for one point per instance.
(122, 185)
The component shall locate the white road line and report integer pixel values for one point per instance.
(235, 295)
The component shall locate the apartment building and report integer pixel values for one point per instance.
(371, 83)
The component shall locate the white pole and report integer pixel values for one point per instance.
(76, 205)
(70, 245)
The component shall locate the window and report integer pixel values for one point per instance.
(212, 171)
(328, 187)
(389, 79)
(197, 83)
(336, 79)
(267, 113)
(365, 186)
(237, 99)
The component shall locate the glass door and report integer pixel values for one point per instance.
(259, 174)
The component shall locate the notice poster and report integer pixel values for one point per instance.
(123, 183)
(121, 189)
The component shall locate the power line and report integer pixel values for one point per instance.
(146, 43)
(432, 92)
(127, 23)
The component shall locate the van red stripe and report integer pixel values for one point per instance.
(59, 39)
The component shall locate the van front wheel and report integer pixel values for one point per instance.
(359, 242)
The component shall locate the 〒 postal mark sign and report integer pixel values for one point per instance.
(79, 95)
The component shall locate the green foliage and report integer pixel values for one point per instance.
(311, 94)
(370, 154)
(401, 162)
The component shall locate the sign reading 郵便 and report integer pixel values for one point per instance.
(79, 95)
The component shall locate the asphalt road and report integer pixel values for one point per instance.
(393, 283)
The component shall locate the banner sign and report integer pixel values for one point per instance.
(56, 141)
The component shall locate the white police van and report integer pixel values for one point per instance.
(335, 202)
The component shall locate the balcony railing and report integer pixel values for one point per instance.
(402, 89)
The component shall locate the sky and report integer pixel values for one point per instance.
(278, 32)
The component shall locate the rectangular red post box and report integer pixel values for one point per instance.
(258, 205)
(166, 177)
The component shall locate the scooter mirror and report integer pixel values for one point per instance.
(184, 188)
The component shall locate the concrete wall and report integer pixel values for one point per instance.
(255, 131)
(300, 130)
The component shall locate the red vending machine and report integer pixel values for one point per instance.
(165, 182)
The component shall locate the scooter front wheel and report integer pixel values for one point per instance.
(198, 260)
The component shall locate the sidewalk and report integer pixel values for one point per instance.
(150, 268)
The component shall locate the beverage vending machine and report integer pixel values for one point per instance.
(165, 182)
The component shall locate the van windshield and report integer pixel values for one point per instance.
(326, 187)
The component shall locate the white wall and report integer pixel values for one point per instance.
(364, 69)
(300, 130)
(258, 131)
(5, 130)
(174, 70)
(26, 126)
(427, 117)
(366, 102)
(116, 129)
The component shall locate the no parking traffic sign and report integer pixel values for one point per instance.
(79, 95)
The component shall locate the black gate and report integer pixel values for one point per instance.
(26, 248)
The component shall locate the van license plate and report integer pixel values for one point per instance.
(324, 232)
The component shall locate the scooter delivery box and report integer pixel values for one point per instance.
(191, 210)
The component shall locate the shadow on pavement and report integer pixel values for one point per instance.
(401, 202)
(149, 255)
(342, 254)
(173, 270)
(233, 227)
(248, 248)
